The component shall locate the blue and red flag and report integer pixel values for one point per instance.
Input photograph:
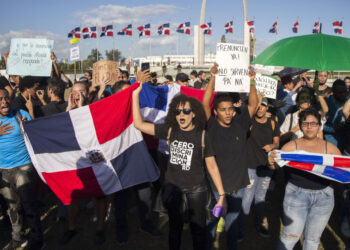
(206, 28)
(338, 27)
(332, 167)
(91, 151)
(296, 27)
(251, 26)
(106, 30)
(145, 30)
(229, 27)
(89, 32)
(126, 31)
(74, 33)
(164, 29)
(274, 28)
(316, 28)
(184, 28)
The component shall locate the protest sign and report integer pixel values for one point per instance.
(105, 69)
(30, 57)
(266, 85)
(74, 53)
(233, 60)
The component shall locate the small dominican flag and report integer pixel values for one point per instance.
(107, 30)
(145, 30)
(206, 28)
(274, 28)
(296, 27)
(126, 31)
(90, 151)
(338, 27)
(251, 26)
(332, 167)
(89, 32)
(229, 27)
(316, 28)
(184, 28)
(164, 29)
(74, 33)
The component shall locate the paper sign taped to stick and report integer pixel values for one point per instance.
(233, 60)
(74, 53)
(105, 69)
(30, 57)
(266, 85)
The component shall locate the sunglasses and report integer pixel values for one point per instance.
(184, 111)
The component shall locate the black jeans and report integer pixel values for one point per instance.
(183, 204)
(18, 188)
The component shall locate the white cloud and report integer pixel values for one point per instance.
(61, 45)
(117, 14)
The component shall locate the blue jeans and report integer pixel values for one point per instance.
(305, 210)
(234, 202)
(257, 191)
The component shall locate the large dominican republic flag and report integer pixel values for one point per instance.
(333, 167)
(91, 151)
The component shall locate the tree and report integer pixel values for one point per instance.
(113, 54)
(93, 56)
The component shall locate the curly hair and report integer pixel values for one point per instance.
(305, 113)
(199, 121)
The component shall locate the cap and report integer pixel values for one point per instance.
(264, 101)
(83, 79)
(182, 77)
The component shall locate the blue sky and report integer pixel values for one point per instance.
(54, 19)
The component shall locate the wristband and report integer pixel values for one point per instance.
(221, 194)
(252, 83)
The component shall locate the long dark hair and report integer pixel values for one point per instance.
(199, 121)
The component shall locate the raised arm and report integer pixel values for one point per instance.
(346, 109)
(209, 91)
(144, 127)
(324, 106)
(253, 97)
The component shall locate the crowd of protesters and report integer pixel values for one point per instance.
(229, 166)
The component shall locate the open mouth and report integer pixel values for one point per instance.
(5, 108)
(182, 120)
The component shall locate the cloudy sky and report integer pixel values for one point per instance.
(54, 19)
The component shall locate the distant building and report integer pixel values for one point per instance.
(184, 60)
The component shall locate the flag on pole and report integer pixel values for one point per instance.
(89, 32)
(106, 30)
(74, 40)
(145, 30)
(74, 33)
(229, 27)
(316, 28)
(206, 28)
(126, 31)
(332, 167)
(164, 29)
(184, 28)
(296, 27)
(251, 26)
(338, 27)
(91, 151)
(274, 28)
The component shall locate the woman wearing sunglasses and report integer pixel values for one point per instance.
(185, 189)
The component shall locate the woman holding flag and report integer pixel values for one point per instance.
(185, 189)
(309, 199)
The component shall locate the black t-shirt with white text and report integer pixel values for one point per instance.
(185, 166)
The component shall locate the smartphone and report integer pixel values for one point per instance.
(144, 66)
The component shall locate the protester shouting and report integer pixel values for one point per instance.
(185, 187)
(309, 200)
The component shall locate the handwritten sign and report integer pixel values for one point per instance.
(74, 53)
(266, 85)
(233, 60)
(30, 57)
(105, 69)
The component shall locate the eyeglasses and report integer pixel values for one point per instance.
(311, 124)
(184, 111)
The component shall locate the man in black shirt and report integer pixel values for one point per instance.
(228, 136)
(202, 77)
(55, 91)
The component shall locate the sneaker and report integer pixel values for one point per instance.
(100, 237)
(122, 235)
(39, 245)
(150, 229)
(18, 243)
(262, 231)
(67, 236)
(240, 236)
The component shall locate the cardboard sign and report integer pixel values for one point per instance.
(74, 53)
(266, 85)
(233, 60)
(105, 69)
(30, 57)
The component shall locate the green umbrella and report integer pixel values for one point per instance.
(319, 52)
